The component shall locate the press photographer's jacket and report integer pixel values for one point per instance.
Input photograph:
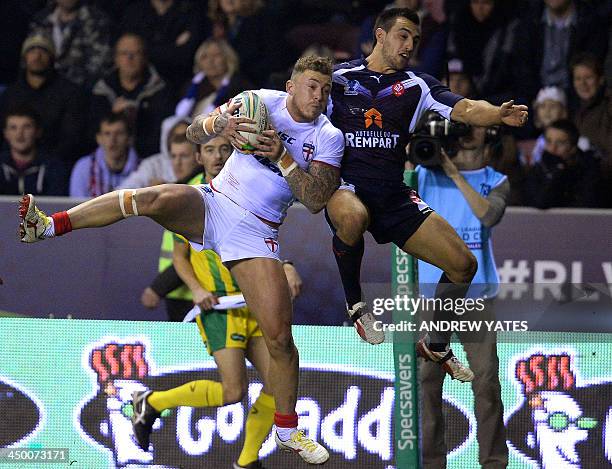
(441, 194)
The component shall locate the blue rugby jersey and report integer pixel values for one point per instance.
(377, 113)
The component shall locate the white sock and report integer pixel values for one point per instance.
(50, 229)
(285, 433)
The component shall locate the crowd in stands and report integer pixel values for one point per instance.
(92, 92)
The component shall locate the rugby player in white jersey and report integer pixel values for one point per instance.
(239, 213)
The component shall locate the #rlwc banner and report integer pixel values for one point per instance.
(68, 383)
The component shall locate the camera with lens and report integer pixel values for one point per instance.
(432, 134)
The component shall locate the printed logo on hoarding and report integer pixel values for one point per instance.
(21, 412)
(561, 423)
(353, 418)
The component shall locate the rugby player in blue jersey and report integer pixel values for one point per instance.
(377, 102)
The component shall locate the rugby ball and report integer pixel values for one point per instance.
(253, 108)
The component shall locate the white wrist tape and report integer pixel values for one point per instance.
(209, 125)
(127, 202)
(286, 163)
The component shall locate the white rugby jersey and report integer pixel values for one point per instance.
(255, 183)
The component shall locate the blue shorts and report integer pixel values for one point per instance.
(396, 210)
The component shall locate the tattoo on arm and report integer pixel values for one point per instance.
(315, 187)
(221, 122)
(195, 131)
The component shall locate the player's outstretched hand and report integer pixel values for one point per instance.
(514, 115)
(228, 125)
(269, 145)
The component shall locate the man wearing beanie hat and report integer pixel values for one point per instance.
(459, 80)
(38, 40)
(58, 101)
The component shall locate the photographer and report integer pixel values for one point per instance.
(565, 176)
(472, 196)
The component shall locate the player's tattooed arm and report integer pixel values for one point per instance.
(195, 132)
(315, 187)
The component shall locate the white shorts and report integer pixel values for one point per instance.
(233, 232)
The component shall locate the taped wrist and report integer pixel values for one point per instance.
(127, 202)
(209, 125)
(286, 163)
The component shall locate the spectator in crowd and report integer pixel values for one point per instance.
(134, 88)
(216, 79)
(549, 106)
(566, 176)
(184, 157)
(593, 117)
(472, 197)
(458, 80)
(60, 103)
(253, 32)
(431, 53)
(482, 38)
(109, 164)
(24, 166)
(82, 37)
(172, 31)
(157, 169)
(549, 37)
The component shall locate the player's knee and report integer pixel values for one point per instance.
(464, 268)
(351, 222)
(281, 344)
(233, 392)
